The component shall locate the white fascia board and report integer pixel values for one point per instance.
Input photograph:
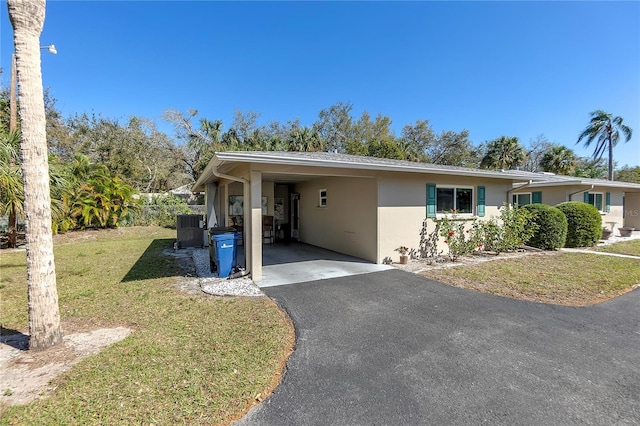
(605, 184)
(314, 162)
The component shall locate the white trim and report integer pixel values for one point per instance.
(517, 194)
(322, 199)
(473, 189)
(603, 201)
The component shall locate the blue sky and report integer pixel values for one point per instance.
(494, 68)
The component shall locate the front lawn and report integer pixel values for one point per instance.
(562, 278)
(631, 247)
(191, 358)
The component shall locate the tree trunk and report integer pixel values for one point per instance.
(13, 228)
(27, 18)
(13, 127)
(610, 159)
(610, 141)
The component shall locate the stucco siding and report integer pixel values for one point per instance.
(347, 224)
(556, 195)
(632, 210)
(402, 208)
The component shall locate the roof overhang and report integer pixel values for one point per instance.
(226, 160)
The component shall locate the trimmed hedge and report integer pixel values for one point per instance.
(552, 226)
(584, 224)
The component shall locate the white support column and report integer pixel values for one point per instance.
(254, 209)
(213, 202)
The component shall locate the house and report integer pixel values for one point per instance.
(617, 202)
(361, 206)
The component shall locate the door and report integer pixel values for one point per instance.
(295, 216)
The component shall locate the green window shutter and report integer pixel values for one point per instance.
(481, 200)
(586, 197)
(536, 197)
(431, 200)
(608, 201)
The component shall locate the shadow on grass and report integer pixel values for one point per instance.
(153, 263)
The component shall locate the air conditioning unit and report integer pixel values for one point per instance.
(189, 227)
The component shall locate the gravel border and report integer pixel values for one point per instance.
(212, 284)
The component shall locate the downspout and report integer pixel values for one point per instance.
(233, 178)
(577, 192)
(245, 271)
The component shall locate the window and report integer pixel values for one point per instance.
(595, 198)
(458, 199)
(527, 198)
(521, 199)
(602, 201)
(322, 202)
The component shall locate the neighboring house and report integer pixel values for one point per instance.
(367, 207)
(617, 202)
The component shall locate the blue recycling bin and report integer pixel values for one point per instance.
(225, 253)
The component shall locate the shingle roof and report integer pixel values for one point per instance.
(332, 159)
(353, 161)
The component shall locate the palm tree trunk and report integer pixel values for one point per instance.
(27, 18)
(13, 228)
(610, 141)
(610, 159)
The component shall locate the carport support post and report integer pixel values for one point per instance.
(212, 200)
(255, 229)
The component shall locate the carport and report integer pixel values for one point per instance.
(252, 178)
(363, 207)
(296, 262)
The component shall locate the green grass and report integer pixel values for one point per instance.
(575, 279)
(191, 359)
(625, 247)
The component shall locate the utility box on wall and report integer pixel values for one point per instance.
(189, 227)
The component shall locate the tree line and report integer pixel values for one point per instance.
(98, 163)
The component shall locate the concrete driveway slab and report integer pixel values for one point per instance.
(392, 348)
(297, 262)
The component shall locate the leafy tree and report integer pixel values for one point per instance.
(27, 19)
(136, 151)
(589, 168)
(559, 159)
(416, 140)
(98, 198)
(385, 148)
(606, 129)
(628, 174)
(11, 190)
(503, 153)
(303, 139)
(335, 126)
(454, 149)
(535, 152)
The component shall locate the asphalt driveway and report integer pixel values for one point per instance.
(391, 348)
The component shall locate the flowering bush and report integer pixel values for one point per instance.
(461, 241)
(465, 236)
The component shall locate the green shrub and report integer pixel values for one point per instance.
(584, 224)
(551, 224)
(162, 210)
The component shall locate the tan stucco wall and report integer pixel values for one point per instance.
(632, 210)
(402, 208)
(348, 223)
(557, 195)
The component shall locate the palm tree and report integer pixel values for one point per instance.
(27, 19)
(606, 129)
(11, 193)
(503, 153)
(559, 159)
